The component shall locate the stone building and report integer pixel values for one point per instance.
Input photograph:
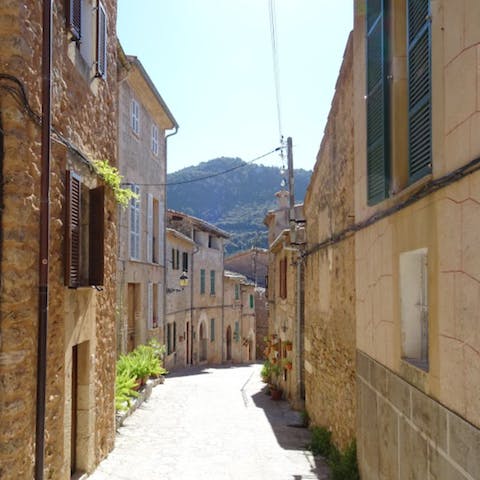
(253, 264)
(416, 84)
(178, 318)
(206, 284)
(143, 120)
(285, 300)
(239, 318)
(58, 242)
(330, 272)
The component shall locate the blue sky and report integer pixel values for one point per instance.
(211, 61)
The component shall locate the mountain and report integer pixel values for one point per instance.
(236, 202)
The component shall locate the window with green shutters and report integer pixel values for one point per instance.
(212, 282)
(251, 301)
(202, 281)
(419, 89)
(212, 329)
(237, 291)
(378, 167)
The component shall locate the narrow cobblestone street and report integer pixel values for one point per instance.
(212, 424)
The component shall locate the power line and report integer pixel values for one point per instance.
(206, 177)
(276, 69)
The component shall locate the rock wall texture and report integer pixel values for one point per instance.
(330, 272)
(84, 113)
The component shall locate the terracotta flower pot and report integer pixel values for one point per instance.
(275, 393)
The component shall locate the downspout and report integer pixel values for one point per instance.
(44, 238)
(299, 331)
(164, 293)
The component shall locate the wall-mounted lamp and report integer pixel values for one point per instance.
(184, 280)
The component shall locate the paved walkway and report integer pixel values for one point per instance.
(212, 424)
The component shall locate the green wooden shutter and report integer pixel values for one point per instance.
(378, 163)
(419, 89)
(212, 329)
(212, 282)
(202, 281)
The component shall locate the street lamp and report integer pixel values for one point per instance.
(184, 280)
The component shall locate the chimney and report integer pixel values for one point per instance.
(283, 199)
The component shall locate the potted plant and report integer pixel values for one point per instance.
(287, 364)
(275, 390)
(288, 345)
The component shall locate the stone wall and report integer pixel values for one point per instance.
(330, 272)
(84, 112)
(403, 433)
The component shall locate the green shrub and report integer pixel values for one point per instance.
(321, 443)
(266, 371)
(124, 392)
(346, 467)
(343, 464)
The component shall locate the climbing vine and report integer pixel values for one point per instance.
(113, 179)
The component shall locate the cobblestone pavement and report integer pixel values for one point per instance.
(212, 424)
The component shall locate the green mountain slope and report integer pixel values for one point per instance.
(236, 202)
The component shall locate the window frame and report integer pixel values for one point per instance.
(154, 140)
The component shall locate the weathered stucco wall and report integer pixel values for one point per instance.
(445, 223)
(84, 112)
(330, 272)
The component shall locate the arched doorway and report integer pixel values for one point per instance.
(229, 343)
(203, 343)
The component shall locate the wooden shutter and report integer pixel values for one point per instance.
(174, 336)
(177, 259)
(202, 281)
(159, 305)
(212, 282)
(74, 17)
(185, 261)
(72, 229)
(96, 241)
(377, 103)
(149, 227)
(101, 41)
(419, 89)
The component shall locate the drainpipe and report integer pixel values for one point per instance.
(299, 331)
(164, 293)
(44, 238)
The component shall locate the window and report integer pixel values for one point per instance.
(202, 281)
(84, 233)
(212, 282)
(135, 117)
(175, 259)
(251, 301)
(212, 329)
(185, 261)
(156, 304)
(135, 224)
(159, 304)
(283, 278)
(237, 291)
(379, 97)
(414, 306)
(87, 24)
(154, 140)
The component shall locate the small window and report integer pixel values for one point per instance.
(156, 234)
(149, 227)
(135, 121)
(149, 305)
(212, 282)
(84, 233)
(212, 329)
(175, 259)
(135, 224)
(251, 301)
(414, 306)
(202, 281)
(237, 291)
(185, 261)
(154, 140)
